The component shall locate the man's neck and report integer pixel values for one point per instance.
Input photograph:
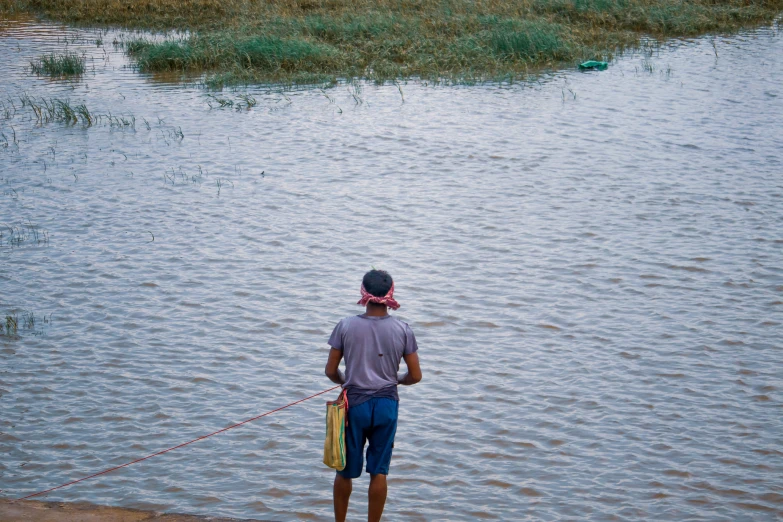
(376, 310)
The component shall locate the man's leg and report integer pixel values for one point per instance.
(359, 417)
(342, 493)
(377, 494)
(379, 453)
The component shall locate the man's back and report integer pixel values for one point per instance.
(372, 347)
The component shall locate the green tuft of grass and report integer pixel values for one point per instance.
(212, 51)
(57, 65)
(48, 110)
(532, 41)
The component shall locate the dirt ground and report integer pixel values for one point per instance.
(36, 511)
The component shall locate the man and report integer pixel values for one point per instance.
(373, 345)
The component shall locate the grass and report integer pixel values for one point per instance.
(49, 110)
(59, 65)
(56, 110)
(532, 41)
(12, 323)
(16, 235)
(263, 55)
(312, 41)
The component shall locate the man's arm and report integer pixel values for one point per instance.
(414, 370)
(333, 367)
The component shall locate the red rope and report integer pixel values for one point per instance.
(178, 446)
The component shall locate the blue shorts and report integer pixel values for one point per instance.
(374, 421)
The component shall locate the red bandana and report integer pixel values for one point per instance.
(387, 300)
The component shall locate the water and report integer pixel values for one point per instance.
(591, 263)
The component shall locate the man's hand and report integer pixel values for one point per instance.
(333, 367)
(414, 370)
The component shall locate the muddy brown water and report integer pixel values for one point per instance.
(592, 263)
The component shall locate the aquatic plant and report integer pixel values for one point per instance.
(246, 101)
(48, 110)
(15, 235)
(122, 121)
(317, 41)
(184, 177)
(13, 323)
(220, 101)
(13, 141)
(67, 64)
(84, 113)
(56, 110)
(249, 100)
(7, 109)
(220, 182)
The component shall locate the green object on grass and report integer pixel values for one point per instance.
(592, 64)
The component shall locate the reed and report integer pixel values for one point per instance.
(58, 65)
(49, 110)
(84, 113)
(12, 323)
(16, 235)
(314, 41)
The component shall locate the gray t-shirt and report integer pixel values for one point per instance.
(372, 348)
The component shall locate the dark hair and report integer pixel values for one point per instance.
(377, 282)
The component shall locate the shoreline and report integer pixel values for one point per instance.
(307, 42)
(47, 511)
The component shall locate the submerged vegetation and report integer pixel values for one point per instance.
(460, 40)
(67, 64)
(13, 323)
(56, 110)
(16, 235)
(39, 111)
(50, 110)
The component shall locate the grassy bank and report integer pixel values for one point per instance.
(459, 40)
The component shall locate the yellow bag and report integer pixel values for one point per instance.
(336, 419)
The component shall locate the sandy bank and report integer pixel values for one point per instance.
(37, 511)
